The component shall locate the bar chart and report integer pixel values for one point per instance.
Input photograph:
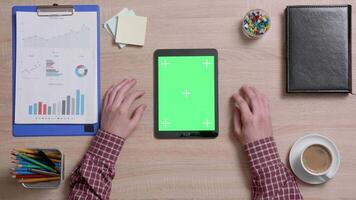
(70, 105)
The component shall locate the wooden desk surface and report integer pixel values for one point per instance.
(193, 169)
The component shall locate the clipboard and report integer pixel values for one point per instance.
(27, 130)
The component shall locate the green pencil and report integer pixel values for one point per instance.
(36, 162)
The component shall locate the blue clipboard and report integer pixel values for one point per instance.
(26, 130)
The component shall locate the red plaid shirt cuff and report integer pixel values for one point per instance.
(106, 146)
(262, 153)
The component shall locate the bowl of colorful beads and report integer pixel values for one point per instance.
(256, 23)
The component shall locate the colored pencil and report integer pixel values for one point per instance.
(30, 155)
(17, 176)
(22, 173)
(24, 162)
(20, 169)
(25, 150)
(21, 162)
(33, 151)
(38, 171)
(55, 160)
(35, 162)
(34, 180)
(19, 158)
(29, 166)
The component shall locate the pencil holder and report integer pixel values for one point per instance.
(38, 168)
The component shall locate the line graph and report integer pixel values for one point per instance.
(30, 70)
(71, 39)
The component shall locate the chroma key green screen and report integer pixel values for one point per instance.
(186, 93)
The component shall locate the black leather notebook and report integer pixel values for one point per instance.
(319, 48)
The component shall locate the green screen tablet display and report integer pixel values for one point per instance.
(186, 93)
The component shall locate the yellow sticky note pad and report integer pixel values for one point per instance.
(131, 30)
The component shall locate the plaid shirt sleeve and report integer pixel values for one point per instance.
(271, 179)
(92, 178)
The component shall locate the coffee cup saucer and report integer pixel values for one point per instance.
(297, 149)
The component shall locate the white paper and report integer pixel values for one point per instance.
(56, 68)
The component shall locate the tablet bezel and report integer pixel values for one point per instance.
(185, 52)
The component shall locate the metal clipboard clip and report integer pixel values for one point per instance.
(55, 10)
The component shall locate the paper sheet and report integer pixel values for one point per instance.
(131, 30)
(56, 69)
(111, 24)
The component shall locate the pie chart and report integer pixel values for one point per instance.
(81, 71)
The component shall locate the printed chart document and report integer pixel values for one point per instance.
(56, 69)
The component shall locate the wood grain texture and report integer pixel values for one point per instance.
(193, 169)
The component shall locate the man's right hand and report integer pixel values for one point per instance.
(118, 115)
(252, 119)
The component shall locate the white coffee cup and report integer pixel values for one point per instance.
(312, 153)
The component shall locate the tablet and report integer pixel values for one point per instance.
(186, 93)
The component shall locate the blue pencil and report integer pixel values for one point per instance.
(19, 169)
(23, 172)
(22, 160)
(27, 169)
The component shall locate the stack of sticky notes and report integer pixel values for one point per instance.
(126, 28)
